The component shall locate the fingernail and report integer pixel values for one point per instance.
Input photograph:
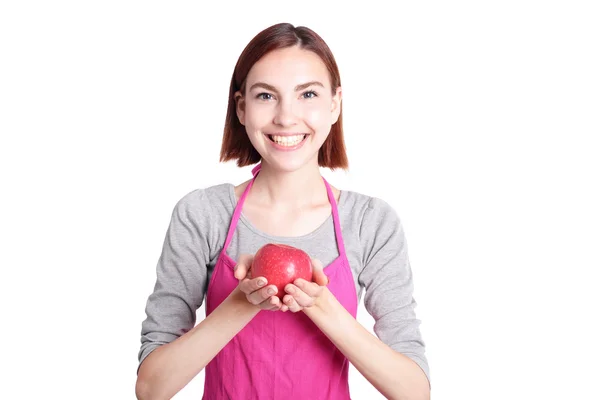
(261, 282)
(271, 291)
(290, 290)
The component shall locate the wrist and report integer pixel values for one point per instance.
(237, 299)
(324, 304)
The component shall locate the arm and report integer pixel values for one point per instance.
(393, 374)
(172, 366)
(172, 353)
(388, 281)
(181, 279)
(394, 361)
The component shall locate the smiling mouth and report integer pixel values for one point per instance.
(288, 141)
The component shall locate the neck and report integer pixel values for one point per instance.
(293, 189)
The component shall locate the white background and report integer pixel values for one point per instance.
(478, 121)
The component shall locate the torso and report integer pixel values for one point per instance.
(288, 223)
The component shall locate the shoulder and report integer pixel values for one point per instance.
(373, 220)
(205, 201)
(368, 208)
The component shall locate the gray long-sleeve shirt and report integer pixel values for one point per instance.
(375, 246)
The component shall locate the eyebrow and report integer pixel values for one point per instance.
(297, 88)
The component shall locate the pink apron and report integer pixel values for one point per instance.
(279, 355)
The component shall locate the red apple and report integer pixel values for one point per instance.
(281, 264)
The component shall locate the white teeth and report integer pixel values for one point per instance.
(287, 140)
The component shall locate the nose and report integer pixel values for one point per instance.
(285, 114)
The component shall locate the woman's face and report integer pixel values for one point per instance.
(288, 107)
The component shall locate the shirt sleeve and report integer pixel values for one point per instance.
(388, 282)
(181, 275)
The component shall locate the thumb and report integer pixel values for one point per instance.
(242, 268)
(319, 276)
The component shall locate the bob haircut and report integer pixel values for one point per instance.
(236, 145)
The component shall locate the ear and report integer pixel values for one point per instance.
(336, 105)
(240, 106)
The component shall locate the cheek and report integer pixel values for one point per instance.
(258, 116)
(318, 117)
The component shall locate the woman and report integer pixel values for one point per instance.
(285, 114)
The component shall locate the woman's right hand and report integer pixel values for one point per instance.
(256, 289)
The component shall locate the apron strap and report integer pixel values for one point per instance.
(336, 219)
(256, 170)
(238, 209)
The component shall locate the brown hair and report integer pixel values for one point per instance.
(236, 145)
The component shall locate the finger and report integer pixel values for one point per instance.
(271, 304)
(291, 304)
(249, 286)
(243, 266)
(311, 289)
(300, 296)
(284, 308)
(258, 296)
(318, 274)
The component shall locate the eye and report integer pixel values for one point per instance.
(309, 94)
(264, 96)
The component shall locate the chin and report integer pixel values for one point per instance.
(290, 165)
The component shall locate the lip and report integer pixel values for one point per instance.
(287, 148)
(285, 133)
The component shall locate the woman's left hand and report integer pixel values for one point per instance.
(302, 294)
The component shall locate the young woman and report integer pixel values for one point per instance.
(285, 116)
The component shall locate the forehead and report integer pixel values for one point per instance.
(289, 67)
